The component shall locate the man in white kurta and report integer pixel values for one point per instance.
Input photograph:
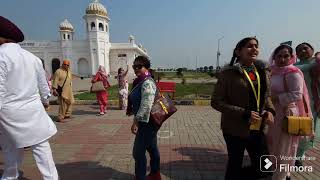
(24, 92)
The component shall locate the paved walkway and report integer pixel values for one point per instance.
(99, 148)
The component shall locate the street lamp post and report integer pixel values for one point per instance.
(218, 53)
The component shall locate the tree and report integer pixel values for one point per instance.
(205, 68)
(179, 72)
(210, 68)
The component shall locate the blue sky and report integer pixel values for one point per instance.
(175, 32)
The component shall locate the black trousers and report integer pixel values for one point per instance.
(255, 145)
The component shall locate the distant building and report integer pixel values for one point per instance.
(86, 55)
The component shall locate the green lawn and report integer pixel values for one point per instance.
(186, 91)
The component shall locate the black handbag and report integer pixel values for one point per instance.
(59, 88)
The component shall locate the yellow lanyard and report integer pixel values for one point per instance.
(252, 86)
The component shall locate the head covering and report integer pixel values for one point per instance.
(290, 68)
(283, 70)
(8, 30)
(103, 74)
(66, 62)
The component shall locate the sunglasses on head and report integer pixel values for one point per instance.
(137, 66)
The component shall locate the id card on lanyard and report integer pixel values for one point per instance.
(256, 92)
(255, 126)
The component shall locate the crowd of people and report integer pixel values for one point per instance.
(253, 96)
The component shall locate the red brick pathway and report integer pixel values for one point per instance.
(100, 148)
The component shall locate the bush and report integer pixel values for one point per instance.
(212, 74)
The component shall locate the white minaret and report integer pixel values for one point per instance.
(97, 23)
(66, 37)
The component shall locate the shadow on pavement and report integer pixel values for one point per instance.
(84, 112)
(197, 163)
(88, 170)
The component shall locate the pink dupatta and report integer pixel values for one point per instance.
(290, 68)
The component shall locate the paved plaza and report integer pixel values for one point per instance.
(100, 148)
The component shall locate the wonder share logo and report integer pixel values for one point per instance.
(268, 163)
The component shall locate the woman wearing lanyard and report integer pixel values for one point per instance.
(242, 95)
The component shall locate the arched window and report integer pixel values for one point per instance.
(69, 36)
(64, 36)
(93, 26)
(100, 27)
(106, 28)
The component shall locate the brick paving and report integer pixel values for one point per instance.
(100, 148)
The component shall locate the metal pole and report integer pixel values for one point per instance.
(196, 64)
(218, 52)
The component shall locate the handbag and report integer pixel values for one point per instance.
(162, 108)
(298, 125)
(97, 86)
(60, 88)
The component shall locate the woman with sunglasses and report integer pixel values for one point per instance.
(141, 99)
(63, 78)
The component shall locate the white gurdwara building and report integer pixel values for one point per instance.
(86, 55)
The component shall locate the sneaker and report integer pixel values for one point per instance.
(100, 114)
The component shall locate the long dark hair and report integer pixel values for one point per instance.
(119, 71)
(240, 45)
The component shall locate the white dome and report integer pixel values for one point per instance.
(131, 37)
(96, 8)
(66, 25)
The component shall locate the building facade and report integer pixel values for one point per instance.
(86, 55)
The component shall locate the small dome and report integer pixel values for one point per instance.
(131, 37)
(66, 25)
(96, 8)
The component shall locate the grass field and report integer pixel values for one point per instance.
(186, 91)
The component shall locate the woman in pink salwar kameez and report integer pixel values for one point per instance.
(102, 96)
(287, 91)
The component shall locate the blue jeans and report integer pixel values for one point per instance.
(146, 140)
